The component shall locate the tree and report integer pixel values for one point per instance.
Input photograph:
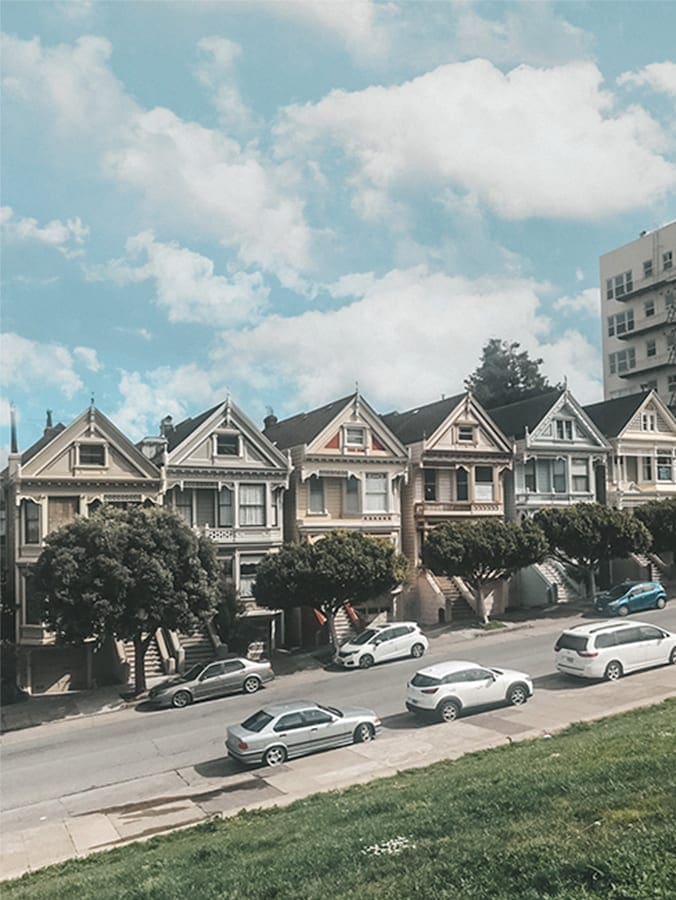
(125, 573)
(505, 375)
(587, 534)
(343, 566)
(659, 517)
(483, 551)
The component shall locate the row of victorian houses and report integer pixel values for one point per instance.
(342, 466)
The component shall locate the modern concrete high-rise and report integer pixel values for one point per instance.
(638, 313)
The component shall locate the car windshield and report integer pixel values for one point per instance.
(332, 710)
(420, 680)
(364, 637)
(619, 591)
(192, 674)
(258, 721)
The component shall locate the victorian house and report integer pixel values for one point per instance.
(560, 454)
(69, 471)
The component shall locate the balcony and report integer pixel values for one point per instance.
(651, 364)
(434, 508)
(225, 535)
(649, 323)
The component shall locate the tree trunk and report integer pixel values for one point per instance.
(141, 644)
(592, 583)
(481, 603)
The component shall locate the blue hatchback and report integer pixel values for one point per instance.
(631, 596)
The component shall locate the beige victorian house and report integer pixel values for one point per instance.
(68, 472)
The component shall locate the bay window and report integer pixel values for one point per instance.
(225, 508)
(579, 472)
(316, 495)
(483, 483)
(664, 468)
(375, 493)
(251, 505)
(461, 484)
(430, 476)
(559, 477)
(31, 522)
(352, 496)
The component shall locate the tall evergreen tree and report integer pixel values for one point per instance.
(506, 375)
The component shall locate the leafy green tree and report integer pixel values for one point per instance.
(587, 534)
(343, 566)
(228, 609)
(659, 517)
(126, 573)
(483, 551)
(506, 375)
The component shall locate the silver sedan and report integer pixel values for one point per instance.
(286, 730)
(214, 679)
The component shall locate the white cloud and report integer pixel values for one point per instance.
(661, 77)
(193, 178)
(187, 288)
(407, 338)
(88, 358)
(66, 237)
(149, 396)
(573, 358)
(216, 72)
(587, 302)
(515, 141)
(28, 365)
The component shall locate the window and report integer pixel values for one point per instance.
(609, 289)
(623, 284)
(225, 508)
(352, 496)
(529, 475)
(430, 484)
(290, 722)
(621, 323)
(483, 483)
(544, 475)
(579, 473)
(247, 574)
(205, 511)
(667, 259)
(466, 433)
(31, 512)
(227, 445)
(648, 421)
(183, 505)
(559, 476)
(316, 495)
(92, 454)
(649, 308)
(650, 348)
(564, 429)
(316, 717)
(671, 382)
(622, 361)
(647, 468)
(461, 484)
(648, 268)
(649, 632)
(375, 493)
(61, 511)
(355, 437)
(664, 468)
(35, 609)
(212, 671)
(234, 665)
(251, 505)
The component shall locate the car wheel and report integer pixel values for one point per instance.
(517, 695)
(661, 602)
(363, 733)
(448, 711)
(366, 661)
(274, 756)
(613, 671)
(672, 657)
(623, 610)
(251, 684)
(181, 699)
(417, 651)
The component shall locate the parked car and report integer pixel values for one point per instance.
(610, 649)
(286, 730)
(214, 679)
(381, 642)
(631, 596)
(448, 688)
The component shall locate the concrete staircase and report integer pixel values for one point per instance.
(458, 610)
(565, 588)
(649, 563)
(153, 660)
(344, 626)
(198, 647)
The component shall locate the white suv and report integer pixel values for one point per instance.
(447, 688)
(610, 649)
(381, 642)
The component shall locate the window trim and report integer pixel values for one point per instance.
(384, 494)
(218, 435)
(241, 506)
(89, 445)
(319, 482)
(347, 442)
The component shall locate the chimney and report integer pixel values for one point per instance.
(269, 421)
(166, 426)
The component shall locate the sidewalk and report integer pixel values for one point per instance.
(40, 709)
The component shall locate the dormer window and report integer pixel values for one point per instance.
(466, 434)
(648, 421)
(564, 429)
(92, 455)
(227, 445)
(355, 437)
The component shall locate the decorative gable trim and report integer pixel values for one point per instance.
(574, 411)
(470, 412)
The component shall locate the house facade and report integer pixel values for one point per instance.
(458, 460)
(641, 431)
(560, 454)
(68, 472)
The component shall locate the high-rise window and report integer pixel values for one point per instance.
(667, 259)
(650, 348)
(648, 268)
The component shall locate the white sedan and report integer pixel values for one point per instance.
(448, 688)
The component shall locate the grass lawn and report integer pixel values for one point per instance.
(588, 813)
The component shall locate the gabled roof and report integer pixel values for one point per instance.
(303, 428)
(47, 437)
(422, 421)
(612, 416)
(514, 418)
(180, 432)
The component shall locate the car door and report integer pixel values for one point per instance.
(384, 645)
(234, 673)
(396, 642)
(488, 688)
(291, 730)
(325, 730)
(404, 640)
(628, 649)
(651, 646)
(209, 682)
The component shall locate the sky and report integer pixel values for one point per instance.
(282, 200)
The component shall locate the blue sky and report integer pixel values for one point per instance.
(283, 199)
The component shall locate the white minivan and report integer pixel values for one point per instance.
(610, 649)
